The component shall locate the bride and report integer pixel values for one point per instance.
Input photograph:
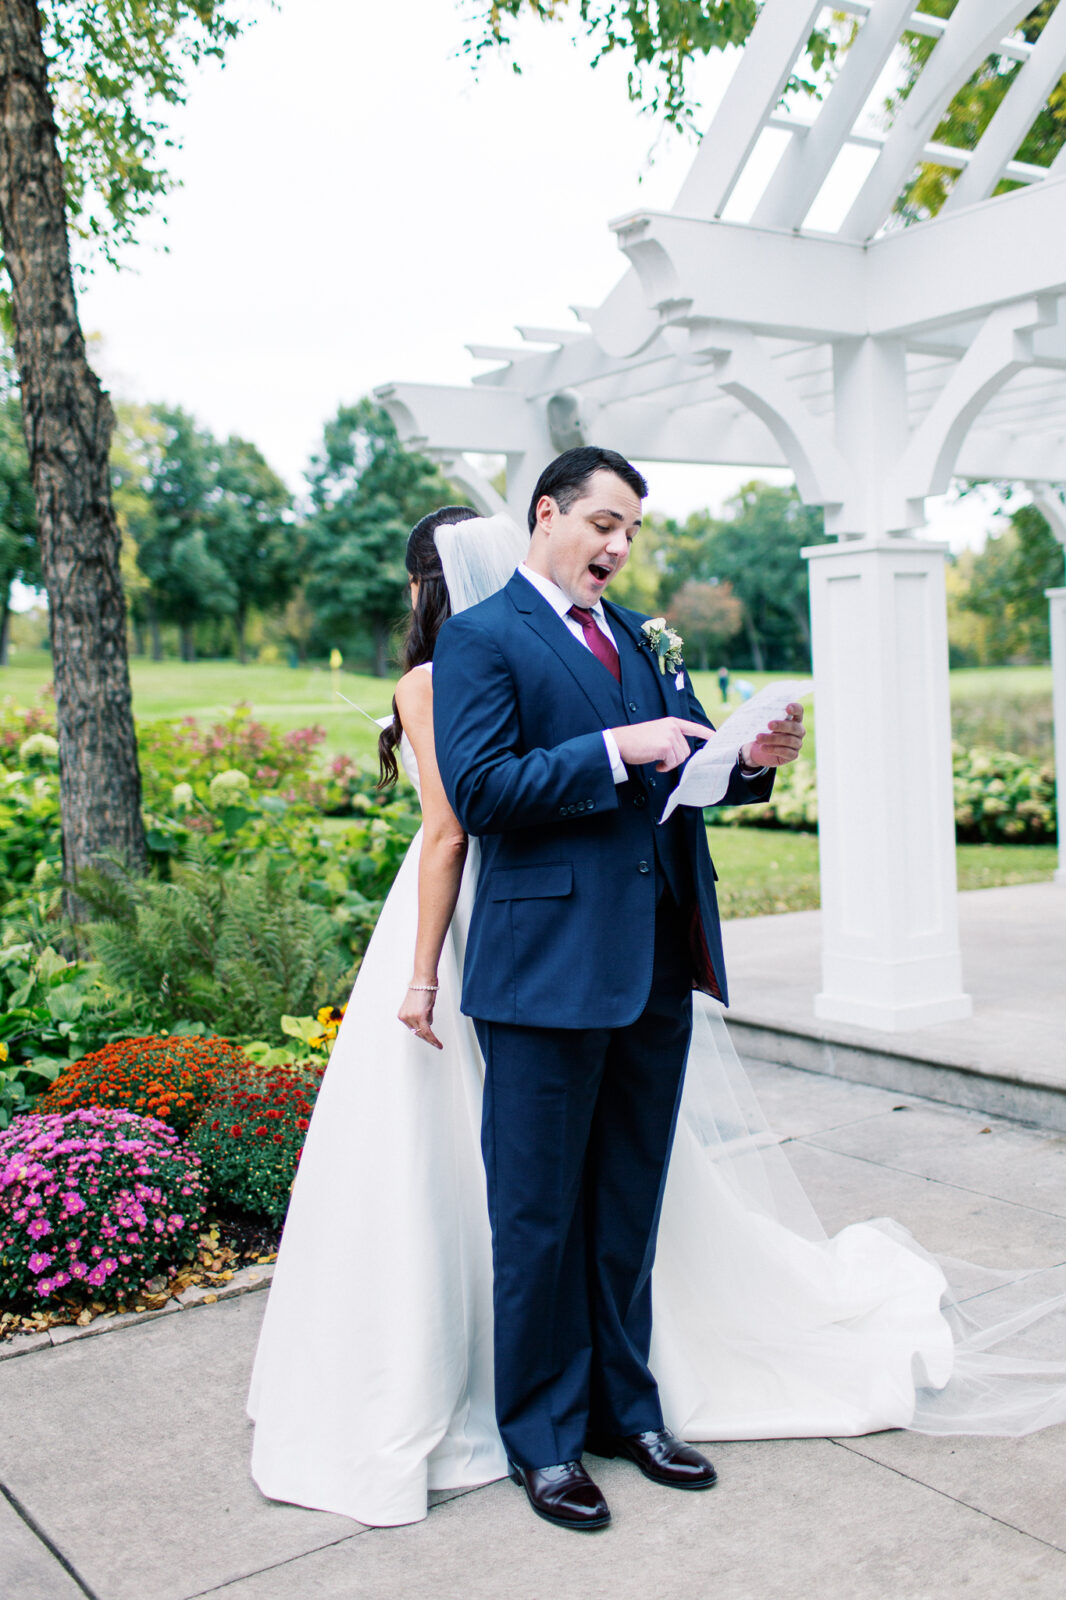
(373, 1379)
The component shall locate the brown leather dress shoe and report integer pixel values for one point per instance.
(661, 1456)
(564, 1494)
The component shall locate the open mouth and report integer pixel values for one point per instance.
(599, 571)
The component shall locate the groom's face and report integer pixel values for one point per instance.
(582, 549)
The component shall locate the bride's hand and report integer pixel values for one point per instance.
(416, 1013)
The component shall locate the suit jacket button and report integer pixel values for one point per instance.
(642, 866)
(640, 800)
(562, 811)
(633, 706)
(589, 804)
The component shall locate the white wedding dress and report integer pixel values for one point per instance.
(373, 1377)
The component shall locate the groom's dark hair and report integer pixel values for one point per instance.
(565, 477)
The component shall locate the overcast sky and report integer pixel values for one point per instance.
(357, 207)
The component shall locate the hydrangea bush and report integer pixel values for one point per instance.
(187, 752)
(251, 1134)
(97, 1199)
(19, 723)
(167, 1076)
(1002, 798)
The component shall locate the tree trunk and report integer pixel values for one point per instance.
(5, 624)
(188, 642)
(241, 623)
(138, 637)
(68, 420)
(753, 640)
(154, 634)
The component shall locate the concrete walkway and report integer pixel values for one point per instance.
(1008, 1058)
(124, 1457)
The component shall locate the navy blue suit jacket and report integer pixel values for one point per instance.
(561, 932)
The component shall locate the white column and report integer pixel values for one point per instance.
(1057, 605)
(890, 950)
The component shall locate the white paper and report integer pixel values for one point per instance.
(705, 778)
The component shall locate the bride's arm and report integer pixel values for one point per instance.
(440, 868)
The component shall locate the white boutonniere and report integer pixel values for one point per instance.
(666, 645)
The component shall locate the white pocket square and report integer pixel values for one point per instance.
(679, 681)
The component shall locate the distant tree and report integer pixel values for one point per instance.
(81, 147)
(251, 532)
(188, 580)
(1004, 590)
(19, 553)
(135, 445)
(755, 548)
(367, 492)
(708, 616)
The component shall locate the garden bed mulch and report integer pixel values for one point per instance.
(228, 1252)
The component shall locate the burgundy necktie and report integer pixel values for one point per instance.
(597, 641)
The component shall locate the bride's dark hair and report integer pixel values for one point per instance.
(429, 611)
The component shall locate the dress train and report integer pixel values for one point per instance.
(373, 1378)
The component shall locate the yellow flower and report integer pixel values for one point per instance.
(3, 1051)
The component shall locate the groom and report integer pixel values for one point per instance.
(559, 740)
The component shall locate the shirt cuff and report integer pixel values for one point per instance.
(618, 771)
(751, 772)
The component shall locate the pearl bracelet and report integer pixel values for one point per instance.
(430, 988)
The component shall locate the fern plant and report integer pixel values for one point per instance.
(232, 947)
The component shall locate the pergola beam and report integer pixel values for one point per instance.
(802, 287)
(1014, 116)
(973, 30)
(756, 86)
(811, 152)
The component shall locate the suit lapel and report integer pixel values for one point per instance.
(590, 675)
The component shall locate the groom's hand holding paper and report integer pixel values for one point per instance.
(766, 731)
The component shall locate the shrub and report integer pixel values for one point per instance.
(1002, 798)
(191, 753)
(18, 723)
(230, 947)
(793, 804)
(251, 1134)
(97, 1198)
(29, 826)
(169, 1077)
(52, 1011)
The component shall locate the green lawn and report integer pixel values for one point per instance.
(761, 870)
(765, 870)
(289, 697)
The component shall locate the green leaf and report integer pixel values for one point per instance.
(305, 1028)
(20, 994)
(50, 964)
(234, 818)
(65, 1004)
(166, 844)
(47, 1067)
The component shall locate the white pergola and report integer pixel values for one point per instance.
(875, 361)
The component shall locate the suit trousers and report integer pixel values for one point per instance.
(576, 1134)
